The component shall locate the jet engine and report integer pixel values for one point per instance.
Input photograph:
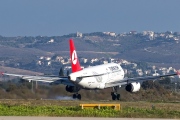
(72, 89)
(133, 87)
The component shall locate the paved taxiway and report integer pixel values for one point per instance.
(72, 118)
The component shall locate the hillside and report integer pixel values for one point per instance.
(22, 54)
(161, 48)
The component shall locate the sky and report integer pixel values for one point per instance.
(62, 17)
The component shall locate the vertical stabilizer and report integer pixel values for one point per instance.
(74, 59)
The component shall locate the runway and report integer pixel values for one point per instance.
(72, 118)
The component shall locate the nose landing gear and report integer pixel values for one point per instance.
(114, 94)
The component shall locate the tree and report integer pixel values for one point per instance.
(61, 72)
(165, 80)
(149, 84)
(67, 73)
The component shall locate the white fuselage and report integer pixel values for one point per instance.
(97, 76)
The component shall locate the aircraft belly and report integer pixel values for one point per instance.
(89, 83)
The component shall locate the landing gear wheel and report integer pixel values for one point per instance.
(74, 96)
(79, 96)
(113, 96)
(118, 96)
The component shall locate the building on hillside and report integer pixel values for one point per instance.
(49, 63)
(41, 58)
(139, 72)
(113, 34)
(39, 62)
(85, 60)
(150, 34)
(78, 34)
(48, 58)
(155, 73)
(133, 32)
(105, 61)
(94, 60)
(51, 41)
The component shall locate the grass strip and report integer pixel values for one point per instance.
(62, 111)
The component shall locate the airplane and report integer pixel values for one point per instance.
(93, 78)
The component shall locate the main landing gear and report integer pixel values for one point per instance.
(77, 96)
(114, 94)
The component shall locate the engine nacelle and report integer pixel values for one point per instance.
(133, 87)
(72, 89)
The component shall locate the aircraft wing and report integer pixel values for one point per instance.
(126, 81)
(48, 79)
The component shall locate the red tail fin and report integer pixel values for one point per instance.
(74, 59)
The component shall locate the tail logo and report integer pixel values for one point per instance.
(74, 57)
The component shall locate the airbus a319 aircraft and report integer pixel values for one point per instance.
(93, 78)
